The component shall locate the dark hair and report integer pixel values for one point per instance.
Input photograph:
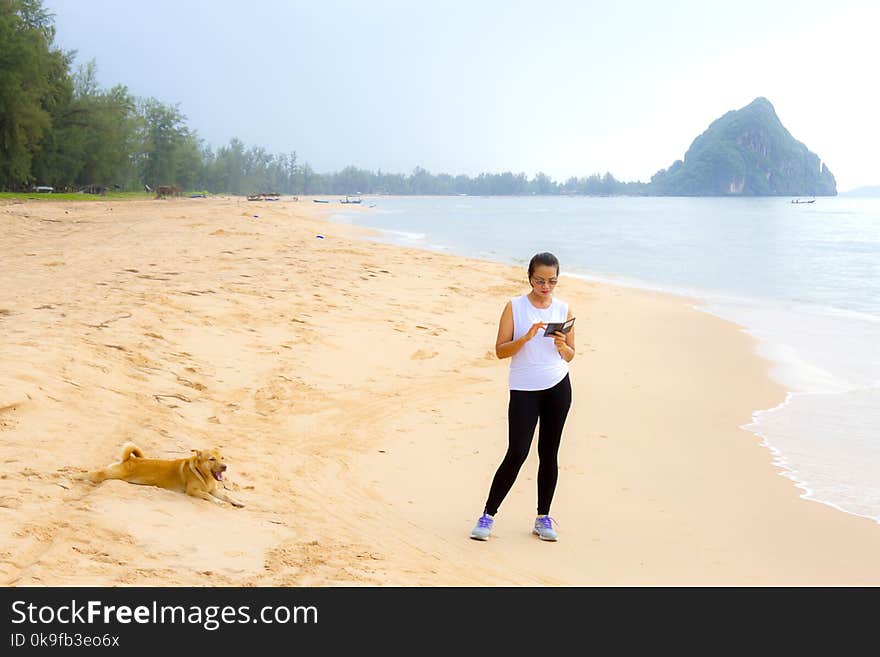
(545, 258)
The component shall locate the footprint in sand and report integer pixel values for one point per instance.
(191, 384)
(10, 502)
(423, 354)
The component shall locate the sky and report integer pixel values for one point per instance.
(567, 88)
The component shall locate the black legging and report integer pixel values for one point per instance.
(525, 408)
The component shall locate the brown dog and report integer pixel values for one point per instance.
(197, 475)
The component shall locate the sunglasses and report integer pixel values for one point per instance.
(540, 282)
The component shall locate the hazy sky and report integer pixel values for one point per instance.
(570, 88)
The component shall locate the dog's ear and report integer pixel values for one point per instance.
(197, 452)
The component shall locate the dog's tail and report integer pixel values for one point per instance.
(130, 450)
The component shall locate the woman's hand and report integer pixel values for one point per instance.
(562, 346)
(532, 332)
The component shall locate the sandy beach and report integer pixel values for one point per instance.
(354, 390)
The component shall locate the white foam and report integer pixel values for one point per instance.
(405, 235)
(813, 350)
(840, 472)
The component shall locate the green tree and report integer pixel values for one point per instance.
(228, 168)
(166, 143)
(108, 125)
(542, 184)
(93, 136)
(28, 68)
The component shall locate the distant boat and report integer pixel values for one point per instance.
(349, 199)
(797, 200)
(320, 200)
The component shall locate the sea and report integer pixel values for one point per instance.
(802, 278)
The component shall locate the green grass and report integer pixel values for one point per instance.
(76, 196)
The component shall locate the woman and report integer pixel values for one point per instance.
(539, 391)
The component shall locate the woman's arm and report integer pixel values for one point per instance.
(565, 342)
(505, 345)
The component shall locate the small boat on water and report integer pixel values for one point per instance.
(797, 200)
(349, 199)
(320, 200)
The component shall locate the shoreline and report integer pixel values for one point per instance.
(779, 461)
(363, 447)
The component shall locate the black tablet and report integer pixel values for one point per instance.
(561, 327)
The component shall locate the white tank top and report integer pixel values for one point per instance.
(537, 366)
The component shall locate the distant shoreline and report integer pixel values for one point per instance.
(12, 197)
(865, 191)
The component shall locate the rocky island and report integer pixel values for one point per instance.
(746, 152)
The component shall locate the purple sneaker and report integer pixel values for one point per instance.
(484, 528)
(544, 528)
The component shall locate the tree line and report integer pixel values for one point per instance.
(59, 128)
